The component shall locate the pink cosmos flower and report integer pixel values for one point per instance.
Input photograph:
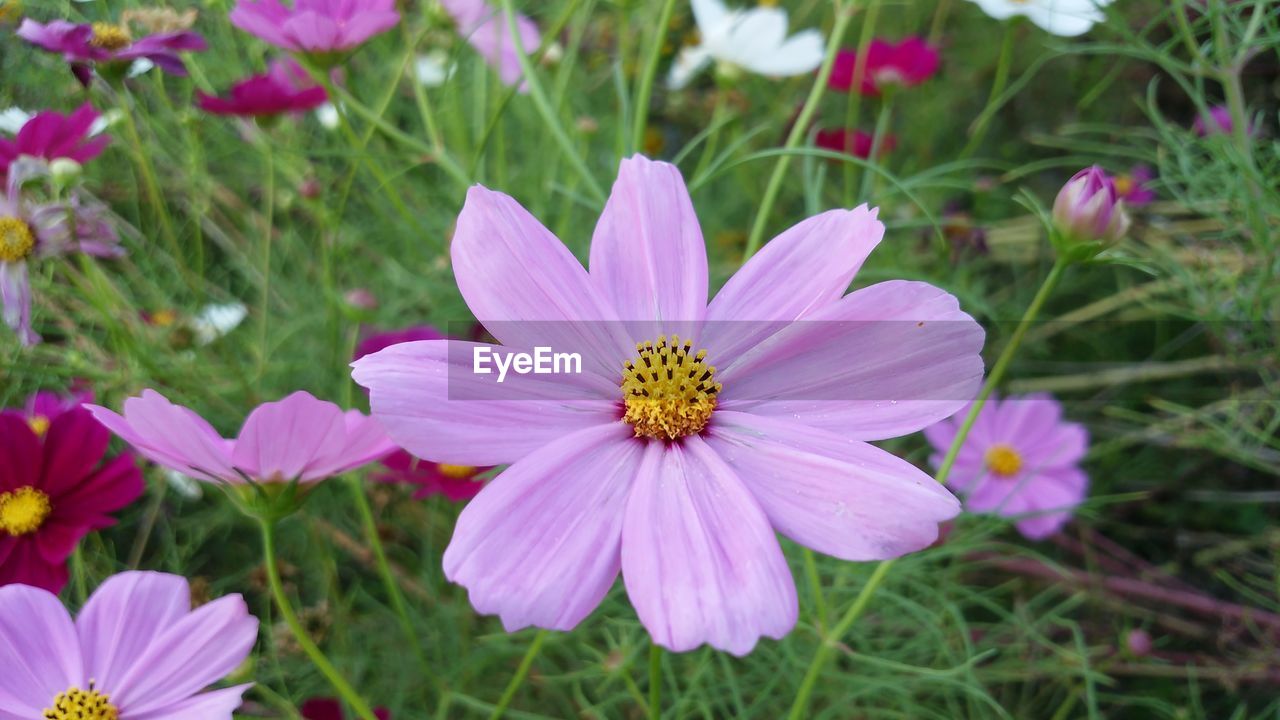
(136, 651)
(906, 63)
(51, 135)
(331, 709)
(1088, 208)
(100, 43)
(56, 486)
(852, 142)
(315, 26)
(277, 91)
(1133, 187)
(486, 29)
(680, 478)
(1217, 121)
(1020, 460)
(298, 438)
(31, 231)
(458, 483)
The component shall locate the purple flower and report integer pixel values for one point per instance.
(105, 43)
(280, 90)
(1217, 121)
(297, 438)
(486, 29)
(1088, 210)
(136, 650)
(678, 479)
(1133, 187)
(1020, 460)
(30, 231)
(315, 27)
(51, 135)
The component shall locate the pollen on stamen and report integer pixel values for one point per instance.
(669, 391)
(77, 704)
(109, 36)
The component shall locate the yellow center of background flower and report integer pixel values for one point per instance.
(39, 425)
(668, 391)
(77, 704)
(16, 240)
(1003, 460)
(457, 472)
(109, 36)
(1124, 184)
(23, 511)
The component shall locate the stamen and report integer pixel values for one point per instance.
(16, 239)
(39, 425)
(77, 704)
(23, 511)
(110, 36)
(457, 472)
(669, 392)
(1003, 460)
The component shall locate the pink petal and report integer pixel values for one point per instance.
(1052, 502)
(364, 442)
(281, 439)
(699, 560)
(885, 361)
(412, 387)
(190, 654)
(38, 650)
(539, 544)
(123, 617)
(264, 19)
(798, 272)
(528, 289)
(313, 32)
(169, 435)
(647, 255)
(838, 496)
(214, 705)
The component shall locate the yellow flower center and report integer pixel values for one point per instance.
(457, 472)
(23, 511)
(110, 36)
(77, 704)
(1124, 185)
(1003, 460)
(39, 424)
(16, 239)
(669, 392)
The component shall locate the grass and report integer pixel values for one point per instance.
(1166, 350)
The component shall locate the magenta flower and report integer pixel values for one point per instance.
(272, 93)
(680, 478)
(51, 135)
(56, 486)
(486, 29)
(1020, 460)
(1088, 209)
(100, 43)
(1134, 188)
(1218, 121)
(297, 438)
(906, 63)
(136, 651)
(331, 709)
(315, 27)
(852, 142)
(31, 231)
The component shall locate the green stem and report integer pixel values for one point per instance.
(828, 644)
(650, 70)
(339, 683)
(853, 108)
(983, 123)
(544, 108)
(877, 140)
(522, 671)
(655, 681)
(844, 14)
(268, 221)
(149, 183)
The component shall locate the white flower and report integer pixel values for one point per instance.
(327, 116)
(12, 120)
(434, 68)
(754, 40)
(187, 487)
(1067, 18)
(214, 321)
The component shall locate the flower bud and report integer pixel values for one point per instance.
(65, 172)
(1088, 215)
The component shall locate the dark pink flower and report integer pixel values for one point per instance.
(380, 341)
(1132, 187)
(315, 26)
(52, 135)
(331, 709)
(85, 45)
(1218, 120)
(56, 486)
(45, 407)
(853, 142)
(906, 63)
(277, 91)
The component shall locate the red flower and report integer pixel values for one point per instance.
(283, 89)
(853, 142)
(331, 709)
(52, 135)
(54, 489)
(906, 63)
